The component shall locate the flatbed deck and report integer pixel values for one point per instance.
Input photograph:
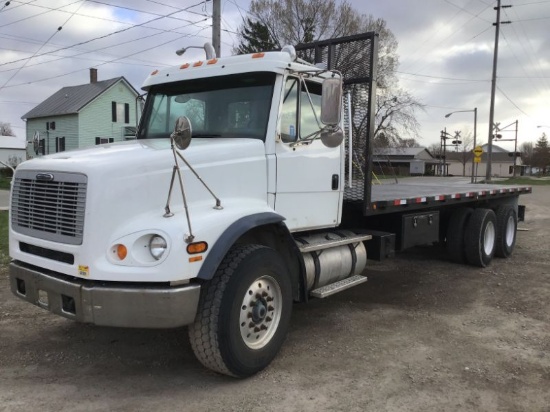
(426, 192)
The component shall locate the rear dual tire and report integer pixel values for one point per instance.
(480, 237)
(507, 225)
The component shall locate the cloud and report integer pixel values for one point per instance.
(441, 43)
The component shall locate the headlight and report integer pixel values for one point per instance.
(157, 246)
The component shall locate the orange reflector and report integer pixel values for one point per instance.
(195, 259)
(197, 64)
(212, 61)
(154, 72)
(258, 55)
(197, 247)
(184, 66)
(121, 252)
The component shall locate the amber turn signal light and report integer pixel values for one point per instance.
(197, 247)
(121, 251)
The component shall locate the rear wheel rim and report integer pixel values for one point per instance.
(489, 238)
(510, 231)
(260, 312)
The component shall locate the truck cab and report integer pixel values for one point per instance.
(221, 233)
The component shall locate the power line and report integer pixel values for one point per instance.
(104, 63)
(189, 11)
(146, 12)
(100, 37)
(103, 18)
(420, 56)
(38, 14)
(468, 11)
(511, 101)
(46, 42)
(443, 78)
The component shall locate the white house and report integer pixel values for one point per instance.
(502, 163)
(79, 116)
(12, 151)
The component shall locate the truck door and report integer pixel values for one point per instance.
(308, 188)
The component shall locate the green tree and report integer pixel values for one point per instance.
(255, 36)
(541, 154)
(281, 22)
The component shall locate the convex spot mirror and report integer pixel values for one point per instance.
(332, 137)
(182, 133)
(331, 112)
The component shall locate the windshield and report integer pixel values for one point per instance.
(224, 106)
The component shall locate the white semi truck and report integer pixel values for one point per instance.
(232, 203)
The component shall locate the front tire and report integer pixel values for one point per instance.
(480, 237)
(244, 312)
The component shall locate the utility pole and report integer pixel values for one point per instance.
(216, 26)
(493, 89)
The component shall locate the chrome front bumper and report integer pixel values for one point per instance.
(134, 306)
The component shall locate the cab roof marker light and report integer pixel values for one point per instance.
(212, 61)
(258, 55)
(197, 64)
(184, 66)
(154, 72)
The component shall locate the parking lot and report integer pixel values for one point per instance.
(423, 334)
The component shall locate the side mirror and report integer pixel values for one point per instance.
(331, 112)
(182, 133)
(331, 103)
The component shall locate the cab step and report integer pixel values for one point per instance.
(339, 286)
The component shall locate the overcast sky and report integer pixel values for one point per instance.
(445, 50)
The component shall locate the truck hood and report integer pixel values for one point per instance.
(135, 175)
(145, 153)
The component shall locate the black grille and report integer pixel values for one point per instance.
(47, 253)
(49, 205)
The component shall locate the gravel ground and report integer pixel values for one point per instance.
(422, 335)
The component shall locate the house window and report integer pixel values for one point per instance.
(42, 147)
(60, 144)
(120, 112)
(103, 140)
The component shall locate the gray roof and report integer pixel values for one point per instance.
(402, 152)
(72, 99)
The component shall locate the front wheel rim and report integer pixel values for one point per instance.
(260, 312)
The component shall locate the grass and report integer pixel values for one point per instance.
(525, 180)
(4, 182)
(4, 251)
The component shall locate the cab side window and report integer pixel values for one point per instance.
(289, 113)
(310, 111)
(296, 96)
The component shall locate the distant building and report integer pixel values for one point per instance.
(12, 151)
(79, 116)
(502, 163)
(404, 161)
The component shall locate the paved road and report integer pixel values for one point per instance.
(4, 199)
